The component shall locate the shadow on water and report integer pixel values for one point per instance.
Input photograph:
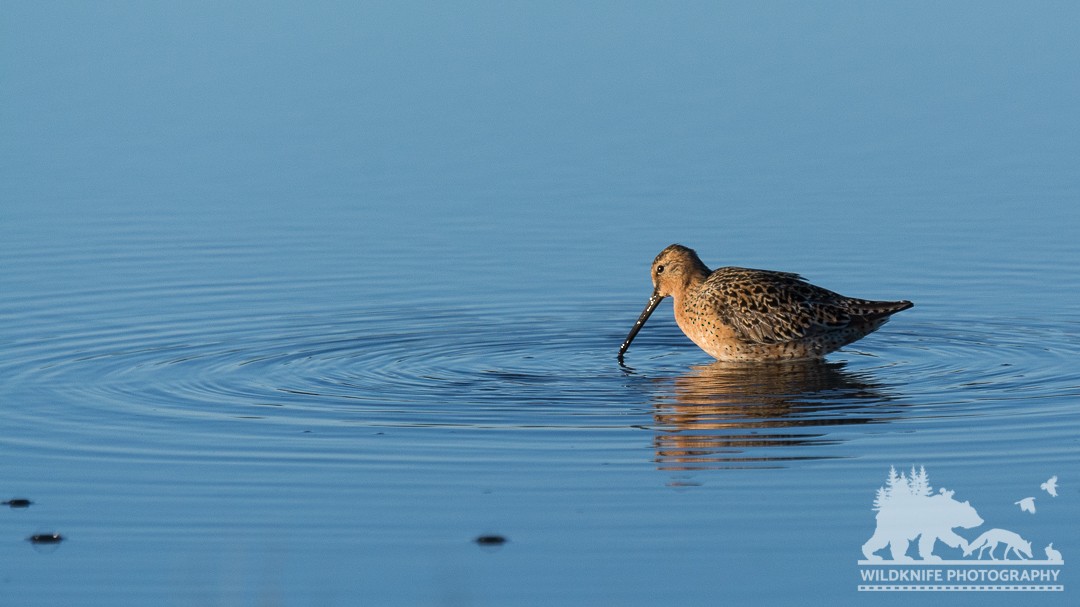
(726, 415)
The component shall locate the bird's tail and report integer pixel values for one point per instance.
(876, 310)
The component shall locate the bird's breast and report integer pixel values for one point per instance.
(702, 320)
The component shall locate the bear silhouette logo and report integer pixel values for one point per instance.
(907, 509)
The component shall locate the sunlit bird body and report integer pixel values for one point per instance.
(741, 314)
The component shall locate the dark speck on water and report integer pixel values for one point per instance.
(46, 538)
(491, 540)
(18, 503)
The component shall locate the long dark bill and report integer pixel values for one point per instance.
(649, 307)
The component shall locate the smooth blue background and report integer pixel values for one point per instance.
(299, 298)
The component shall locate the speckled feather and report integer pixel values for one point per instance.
(746, 314)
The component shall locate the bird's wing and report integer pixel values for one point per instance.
(774, 307)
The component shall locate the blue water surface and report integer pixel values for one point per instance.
(297, 300)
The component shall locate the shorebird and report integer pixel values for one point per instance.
(741, 314)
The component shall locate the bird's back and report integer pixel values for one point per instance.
(744, 313)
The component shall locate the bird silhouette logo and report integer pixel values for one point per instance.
(1050, 486)
(1027, 504)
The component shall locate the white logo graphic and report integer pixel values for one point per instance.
(1050, 486)
(1027, 504)
(998, 559)
(907, 509)
(1020, 547)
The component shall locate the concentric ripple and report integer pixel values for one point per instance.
(916, 376)
(221, 371)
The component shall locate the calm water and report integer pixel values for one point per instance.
(296, 302)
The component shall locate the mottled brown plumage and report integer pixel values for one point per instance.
(757, 315)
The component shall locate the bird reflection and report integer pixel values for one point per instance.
(726, 415)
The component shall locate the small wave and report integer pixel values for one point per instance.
(475, 368)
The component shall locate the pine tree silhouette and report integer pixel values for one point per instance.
(881, 498)
(901, 487)
(920, 483)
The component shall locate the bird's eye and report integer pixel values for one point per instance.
(659, 269)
